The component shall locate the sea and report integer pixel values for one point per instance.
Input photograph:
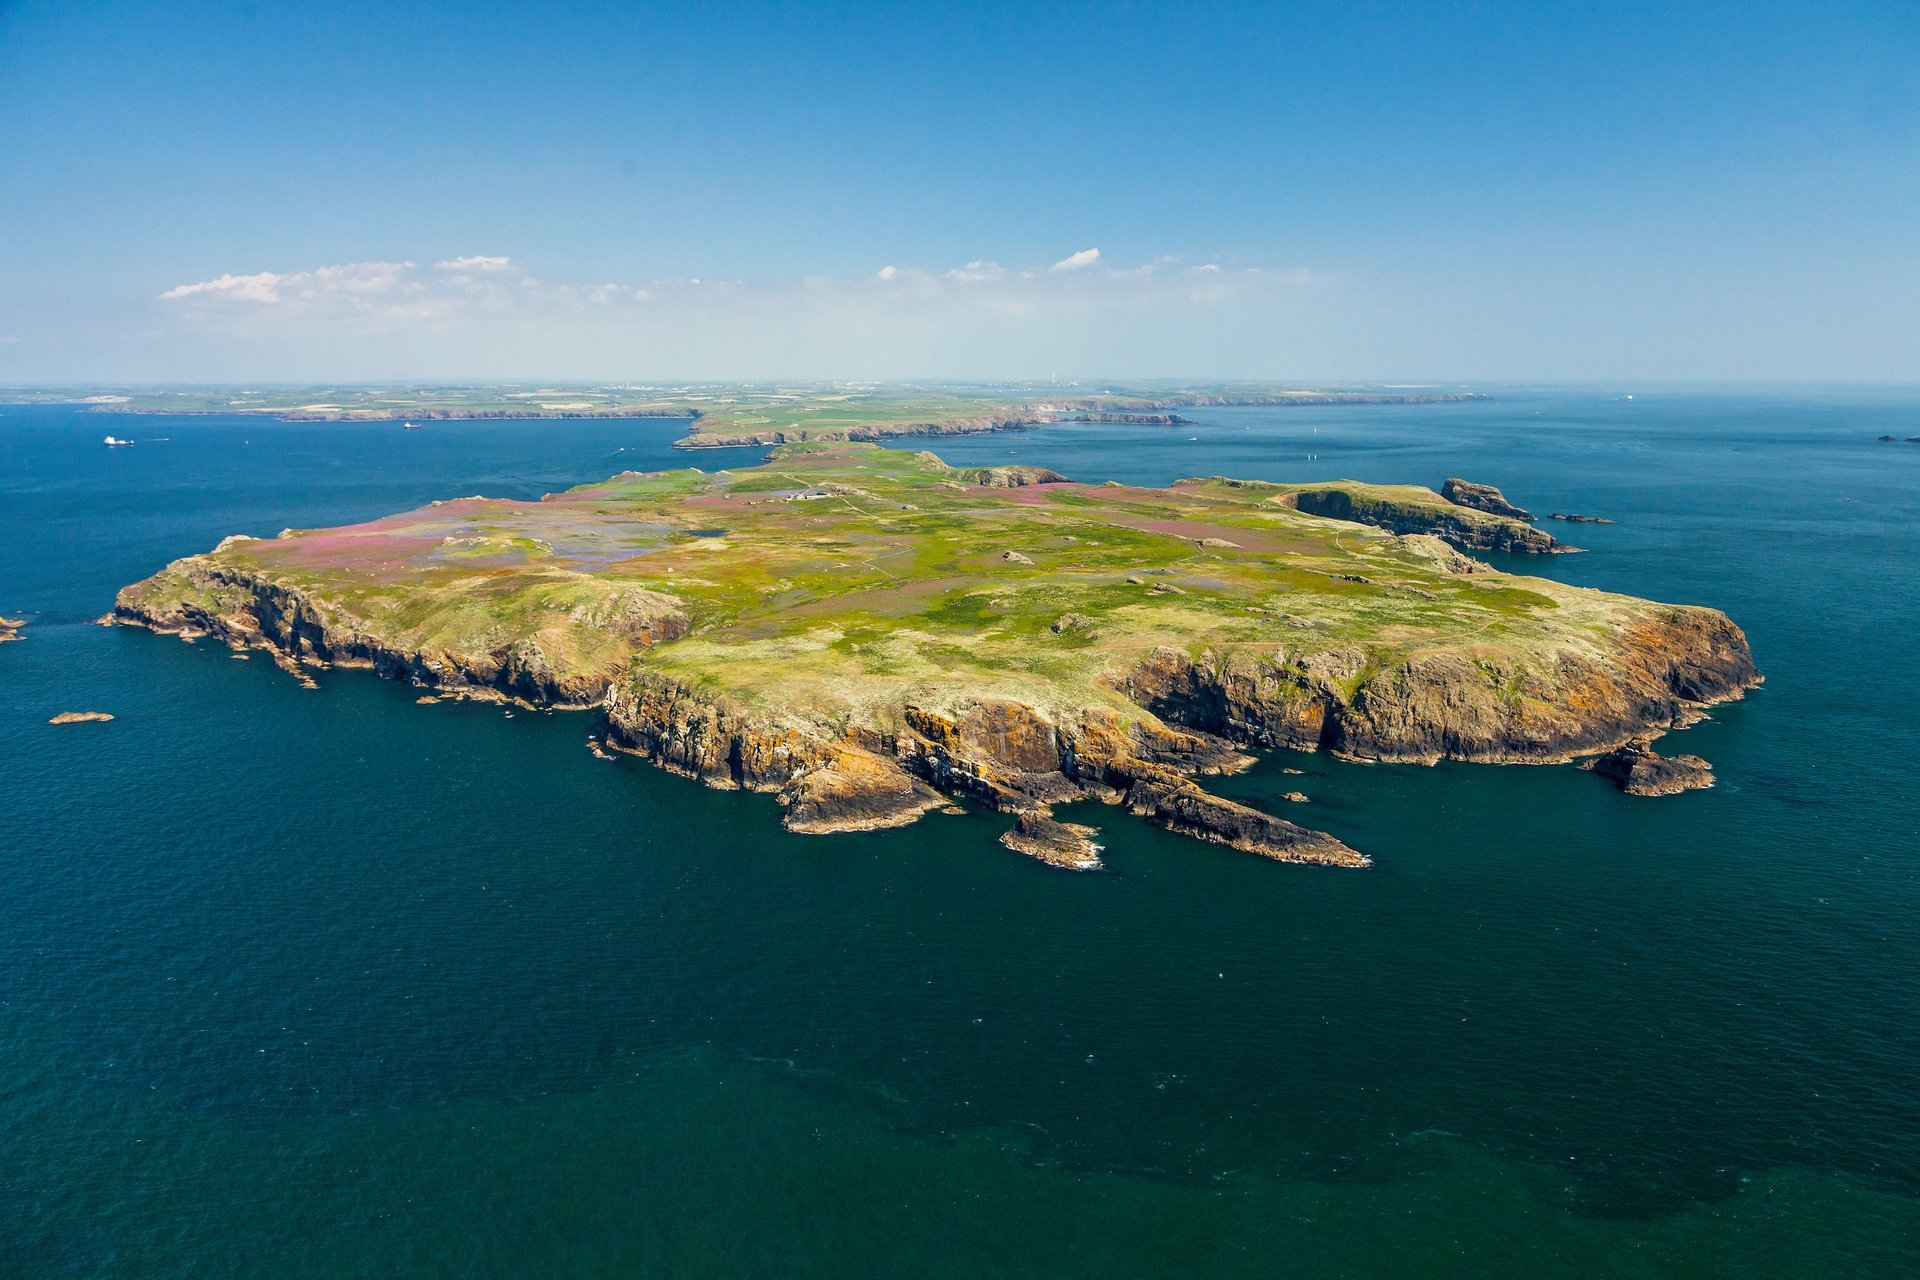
(322, 982)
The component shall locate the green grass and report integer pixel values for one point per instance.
(895, 588)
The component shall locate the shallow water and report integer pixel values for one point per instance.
(298, 982)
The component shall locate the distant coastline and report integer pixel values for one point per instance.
(724, 416)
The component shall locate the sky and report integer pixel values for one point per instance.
(1330, 193)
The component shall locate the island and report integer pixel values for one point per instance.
(871, 634)
(10, 628)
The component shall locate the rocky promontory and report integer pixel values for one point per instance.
(1410, 509)
(1640, 771)
(1482, 497)
(870, 635)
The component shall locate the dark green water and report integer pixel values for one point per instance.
(328, 983)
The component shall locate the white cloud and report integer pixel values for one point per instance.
(978, 269)
(475, 262)
(381, 316)
(262, 286)
(1075, 261)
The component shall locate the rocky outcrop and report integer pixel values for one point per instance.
(1007, 477)
(200, 596)
(1447, 707)
(856, 791)
(1464, 527)
(1482, 497)
(1639, 771)
(10, 628)
(1166, 799)
(81, 717)
(1578, 519)
(1063, 844)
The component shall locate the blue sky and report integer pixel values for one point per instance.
(1481, 192)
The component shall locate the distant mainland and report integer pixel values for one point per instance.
(728, 415)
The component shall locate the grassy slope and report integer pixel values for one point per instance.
(894, 586)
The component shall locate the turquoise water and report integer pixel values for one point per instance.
(327, 983)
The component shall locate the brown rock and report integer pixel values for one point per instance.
(1482, 497)
(1061, 844)
(1639, 771)
(856, 791)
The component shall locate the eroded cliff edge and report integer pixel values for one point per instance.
(870, 635)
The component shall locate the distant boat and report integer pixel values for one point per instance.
(411, 426)
(112, 443)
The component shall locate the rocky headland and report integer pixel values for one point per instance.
(1482, 497)
(871, 635)
(1409, 509)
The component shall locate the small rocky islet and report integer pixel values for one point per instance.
(871, 634)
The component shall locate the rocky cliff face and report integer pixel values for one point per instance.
(1482, 497)
(1468, 529)
(1446, 706)
(199, 596)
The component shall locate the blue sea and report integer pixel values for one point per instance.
(326, 983)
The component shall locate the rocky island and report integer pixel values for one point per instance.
(871, 634)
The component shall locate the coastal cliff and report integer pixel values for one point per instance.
(1410, 509)
(1481, 497)
(999, 636)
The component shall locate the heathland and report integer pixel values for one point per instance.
(873, 634)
